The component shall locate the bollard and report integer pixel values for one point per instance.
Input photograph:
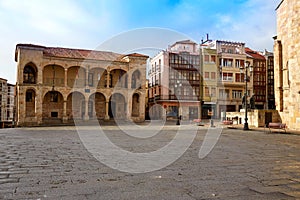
(178, 121)
(212, 123)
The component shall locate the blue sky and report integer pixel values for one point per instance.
(89, 23)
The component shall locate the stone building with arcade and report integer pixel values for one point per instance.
(59, 85)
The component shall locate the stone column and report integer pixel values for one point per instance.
(65, 117)
(107, 79)
(129, 75)
(106, 110)
(39, 106)
(87, 76)
(66, 77)
(86, 113)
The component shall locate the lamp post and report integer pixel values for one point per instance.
(242, 69)
(178, 86)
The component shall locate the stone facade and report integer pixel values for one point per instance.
(287, 62)
(58, 85)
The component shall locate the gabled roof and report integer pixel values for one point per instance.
(184, 42)
(78, 53)
(254, 54)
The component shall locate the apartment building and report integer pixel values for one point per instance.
(259, 78)
(7, 96)
(230, 58)
(174, 82)
(209, 81)
(270, 80)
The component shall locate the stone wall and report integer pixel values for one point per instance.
(256, 118)
(287, 63)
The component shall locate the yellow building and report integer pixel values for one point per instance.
(58, 85)
(287, 62)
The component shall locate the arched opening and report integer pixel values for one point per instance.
(76, 77)
(52, 107)
(119, 78)
(30, 103)
(53, 75)
(135, 80)
(75, 106)
(97, 106)
(135, 105)
(29, 73)
(117, 106)
(97, 77)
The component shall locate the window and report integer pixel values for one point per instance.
(206, 75)
(213, 92)
(227, 77)
(237, 94)
(206, 91)
(223, 94)
(239, 77)
(54, 114)
(213, 59)
(206, 58)
(213, 75)
(227, 62)
(28, 74)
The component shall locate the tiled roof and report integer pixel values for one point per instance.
(137, 55)
(254, 54)
(82, 54)
(79, 53)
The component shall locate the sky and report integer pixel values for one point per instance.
(89, 24)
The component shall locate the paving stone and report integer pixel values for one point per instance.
(52, 163)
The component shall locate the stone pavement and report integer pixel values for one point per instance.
(52, 163)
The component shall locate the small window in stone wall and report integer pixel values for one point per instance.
(54, 114)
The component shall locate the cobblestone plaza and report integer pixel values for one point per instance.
(52, 163)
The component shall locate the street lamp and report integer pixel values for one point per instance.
(242, 69)
(178, 86)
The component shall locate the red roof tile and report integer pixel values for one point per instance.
(79, 53)
(254, 54)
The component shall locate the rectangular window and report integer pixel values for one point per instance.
(237, 94)
(239, 77)
(227, 76)
(213, 59)
(223, 94)
(206, 58)
(213, 92)
(54, 114)
(213, 75)
(206, 75)
(206, 91)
